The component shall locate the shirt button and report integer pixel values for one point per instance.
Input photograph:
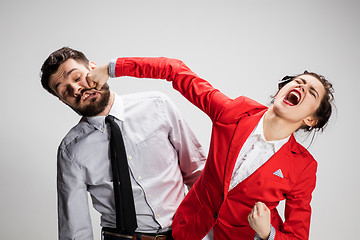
(139, 177)
(149, 195)
(130, 157)
(158, 215)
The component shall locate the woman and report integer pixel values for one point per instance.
(254, 161)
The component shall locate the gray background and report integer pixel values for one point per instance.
(241, 47)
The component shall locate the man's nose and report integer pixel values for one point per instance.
(76, 89)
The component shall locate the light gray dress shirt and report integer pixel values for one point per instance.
(163, 155)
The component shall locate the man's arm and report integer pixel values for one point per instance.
(195, 89)
(191, 156)
(73, 210)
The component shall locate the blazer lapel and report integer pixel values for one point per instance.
(243, 129)
(279, 162)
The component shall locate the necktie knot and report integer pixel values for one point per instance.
(109, 119)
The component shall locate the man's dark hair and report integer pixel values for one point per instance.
(52, 63)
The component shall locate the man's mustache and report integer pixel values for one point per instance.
(105, 87)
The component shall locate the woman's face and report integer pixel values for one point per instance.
(298, 100)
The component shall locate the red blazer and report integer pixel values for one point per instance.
(209, 203)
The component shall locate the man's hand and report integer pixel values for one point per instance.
(98, 76)
(259, 219)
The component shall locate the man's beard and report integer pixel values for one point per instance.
(95, 106)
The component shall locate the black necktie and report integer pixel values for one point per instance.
(124, 200)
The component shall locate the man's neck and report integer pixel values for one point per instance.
(108, 106)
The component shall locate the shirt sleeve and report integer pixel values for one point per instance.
(191, 155)
(271, 236)
(198, 91)
(74, 220)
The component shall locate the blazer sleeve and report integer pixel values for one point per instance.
(198, 91)
(297, 206)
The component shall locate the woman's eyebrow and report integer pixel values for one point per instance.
(314, 90)
(303, 80)
(311, 87)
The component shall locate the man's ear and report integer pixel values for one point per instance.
(92, 65)
(310, 121)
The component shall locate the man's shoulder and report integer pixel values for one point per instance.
(147, 102)
(145, 96)
(75, 133)
(148, 107)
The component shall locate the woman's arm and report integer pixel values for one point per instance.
(297, 211)
(192, 87)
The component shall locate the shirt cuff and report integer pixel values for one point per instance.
(271, 236)
(112, 66)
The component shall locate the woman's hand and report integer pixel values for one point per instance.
(259, 219)
(98, 76)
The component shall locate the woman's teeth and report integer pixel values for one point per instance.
(293, 97)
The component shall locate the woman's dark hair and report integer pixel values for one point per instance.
(52, 63)
(324, 111)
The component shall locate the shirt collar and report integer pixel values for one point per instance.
(117, 110)
(259, 131)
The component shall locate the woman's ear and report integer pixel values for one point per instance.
(92, 65)
(310, 121)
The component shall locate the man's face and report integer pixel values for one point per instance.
(70, 85)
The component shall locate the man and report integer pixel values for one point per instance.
(254, 161)
(161, 151)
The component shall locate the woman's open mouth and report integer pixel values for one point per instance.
(293, 98)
